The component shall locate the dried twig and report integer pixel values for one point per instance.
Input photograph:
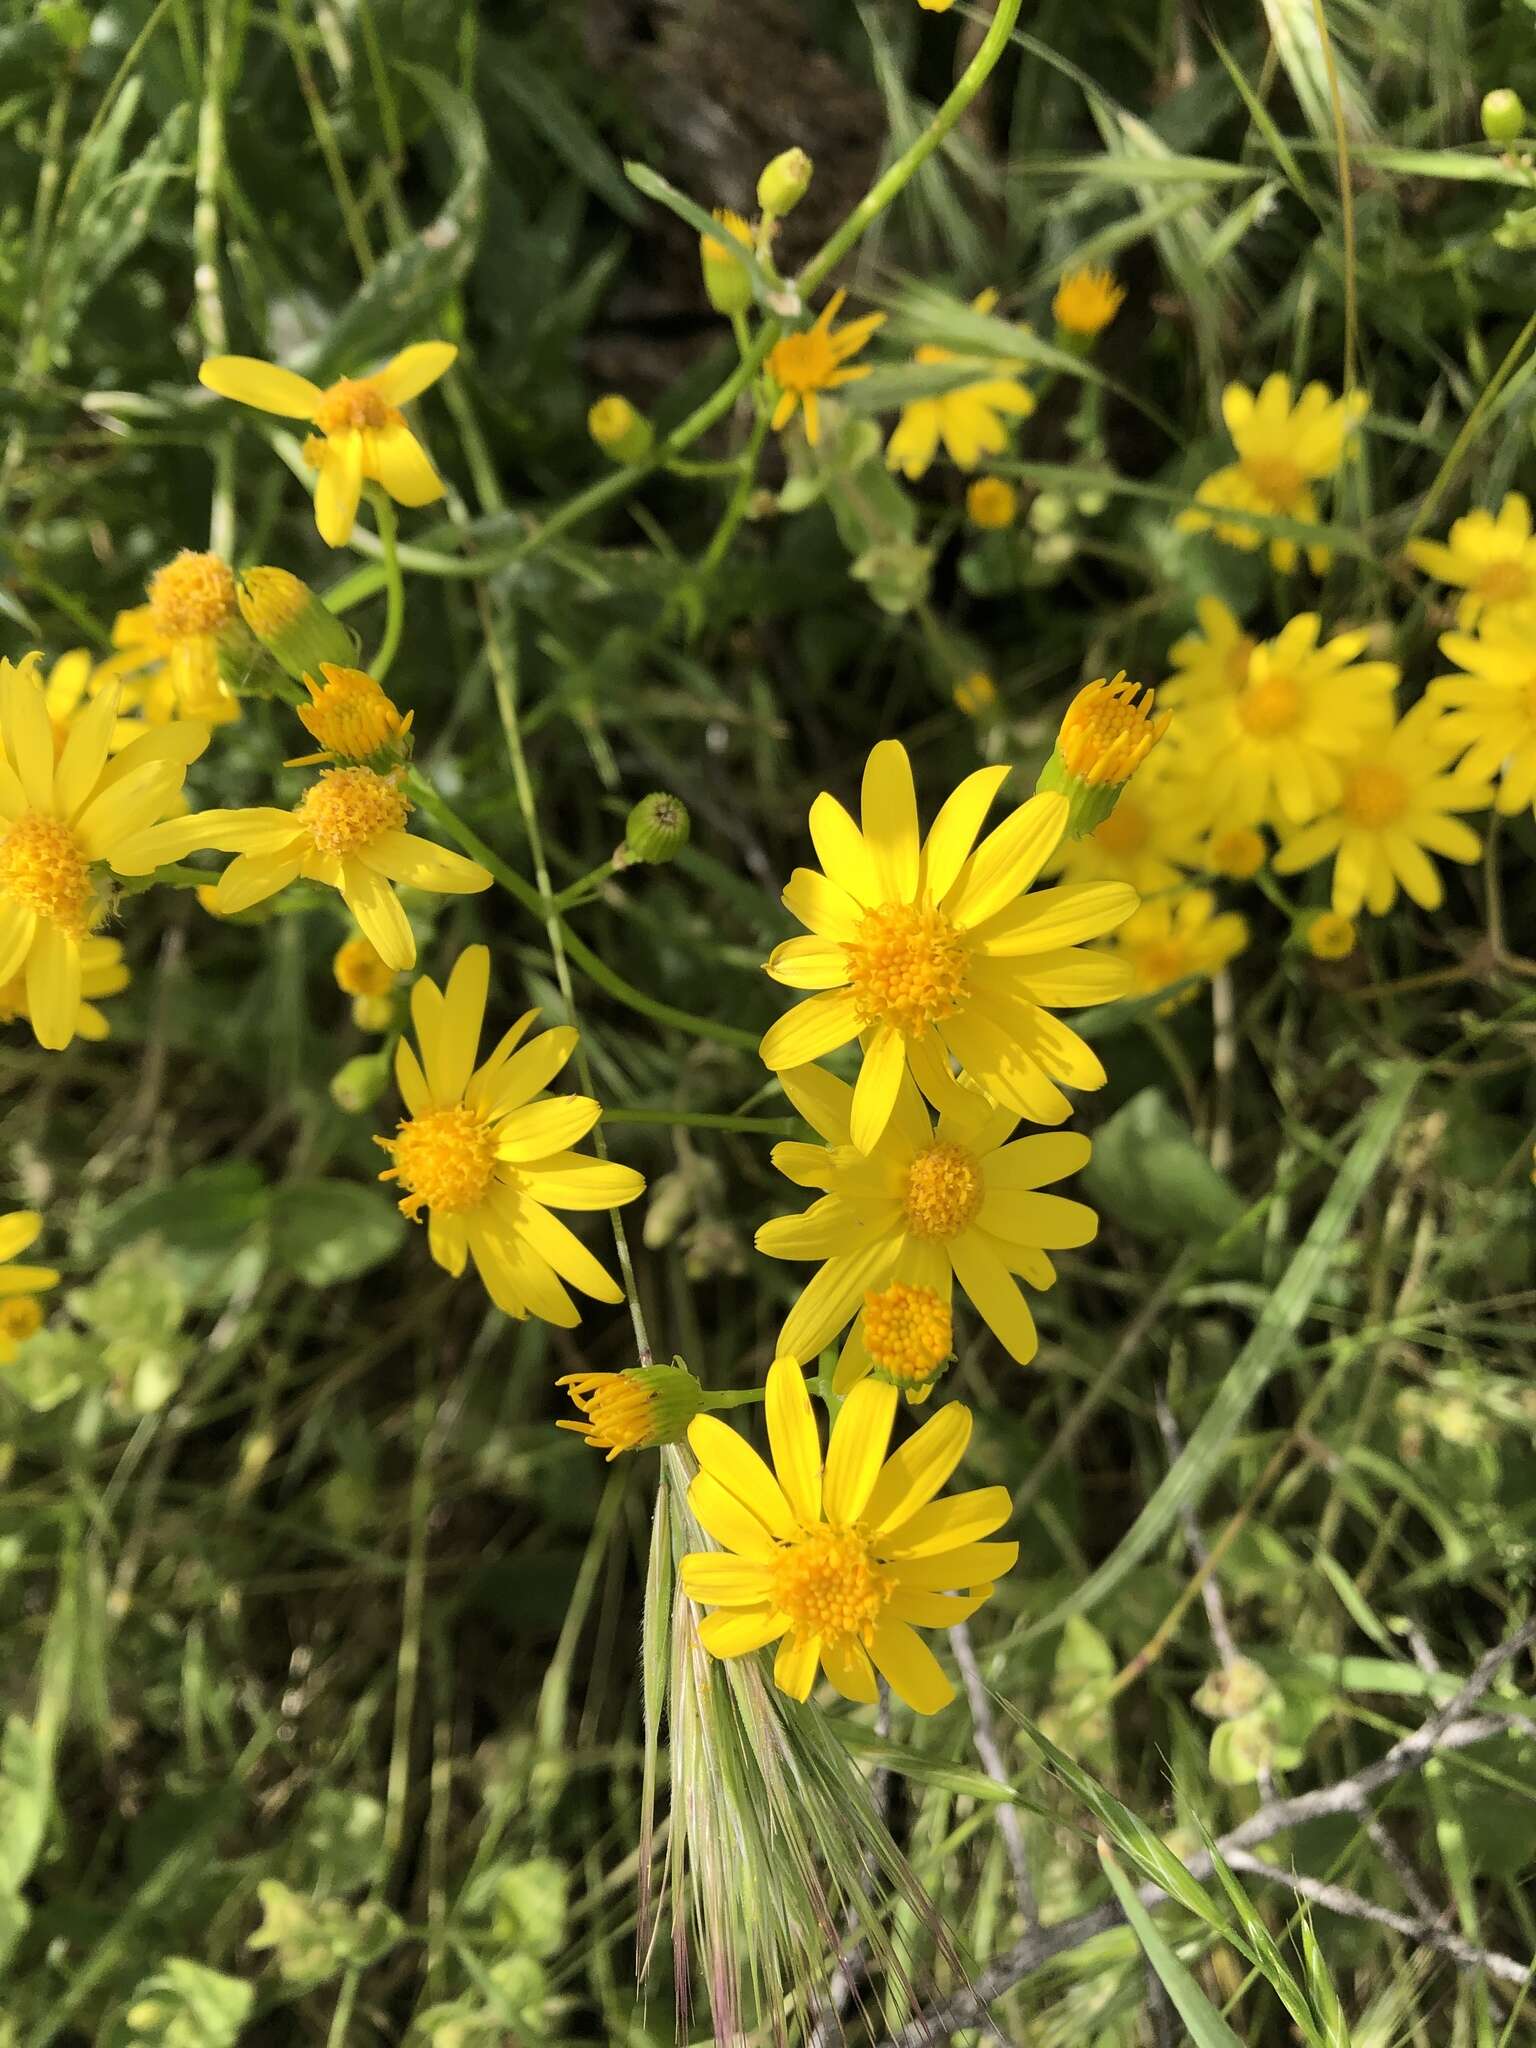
(992, 1763)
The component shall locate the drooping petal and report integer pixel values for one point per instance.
(847, 1665)
(53, 985)
(395, 458)
(377, 909)
(554, 1241)
(995, 1295)
(909, 1667)
(17, 926)
(822, 1099)
(338, 488)
(733, 1631)
(874, 1095)
(794, 1668)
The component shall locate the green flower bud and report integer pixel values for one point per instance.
(727, 281)
(623, 434)
(1503, 114)
(784, 182)
(359, 1084)
(657, 828)
(1237, 1689)
(292, 624)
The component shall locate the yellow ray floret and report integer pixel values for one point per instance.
(840, 1563)
(1491, 707)
(102, 973)
(1395, 808)
(1087, 300)
(930, 947)
(1211, 661)
(67, 824)
(1283, 448)
(1182, 938)
(928, 1206)
(1490, 556)
(816, 360)
(970, 421)
(360, 433)
(486, 1153)
(21, 1314)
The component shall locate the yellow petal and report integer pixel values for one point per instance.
(810, 1030)
(949, 1524)
(857, 1450)
(721, 1515)
(996, 1295)
(728, 1581)
(449, 1052)
(395, 458)
(565, 1252)
(949, 843)
(53, 985)
(377, 909)
(18, 1230)
(874, 1095)
(915, 1472)
(408, 374)
(888, 817)
(542, 1128)
(268, 388)
(847, 1665)
(728, 1457)
(840, 847)
(794, 1668)
(909, 1667)
(732, 1632)
(793, 1439)
(1008, 860)
(339, 488)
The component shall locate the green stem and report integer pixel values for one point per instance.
(1472, 425)
(911, 160)
(394, 587)
(742, 1398)
(580, 891)
(736, 504)
(704, 1120)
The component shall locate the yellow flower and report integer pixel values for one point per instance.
(1210, 662)
(975, 693)
(836, 1563)
(71, 683)
(1331, 937)
(167, 655)
(21, 1315)
(351, 717)
(802, 365)
(925, 949)
(360, 432)
(1149, 840)
(348, 832)
(1393, 810)
(1492, 707)
(636, 1410)
(936, 6)
(969, 421)
(1491, 556)
(102, 973)
(1179, 938)
(1106, 733)
(927, 1206)
(66, 824)
(486, 1153)
(360, 971)
(991, 504)
(727, 281)
(1272, 751)
(1282, 450)
(1087, 300)
(1237, 853)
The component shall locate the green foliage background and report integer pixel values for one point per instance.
(321, 1646)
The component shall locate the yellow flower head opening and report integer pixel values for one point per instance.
(445, 1160)
(348, 808)
(359, 970)
(908, 1333)
(1108, 732)
(907, 967)
(192, 595)
(830, 1585)
(620, 1411)
(817, 359)
(991, 504)
(1374, 795)
(975, 693)
(717, 248)
(350, 714)
(44, 869)
(1238, 854)
(271, 600)
(1087, 300)
(354, 405)
(942, 1192)
(1331, 937)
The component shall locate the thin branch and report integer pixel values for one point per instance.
(1199, 1549)
(985, 1737)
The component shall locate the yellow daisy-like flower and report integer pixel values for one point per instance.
(1087, 300)
(1282, 450)
(66, 823)
(1150, 840)
(1272, 752)
(1180, 938)
(1491, 708)
(102, 973)
(925, 949)
(21, 1314)
(1237, 852)
(1393, 810)
(928, 1206)
(816, 360)
(348, 832)
(1491, 556)
(636, 1410)
(837, 1562)
(969, 421)
(1331, 937)
(1212, 661)
(360, 433)
(351, 716)
(167, 655)
(70, 684)
(487, 1154)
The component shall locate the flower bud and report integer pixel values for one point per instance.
(1107, 733)
(623, 434)
(292, 624)
(991, 504)
(727, 281)
(975, 693)
(1331, 937)
(359, 1084)
(1238, 853)
(657, 828)
(784, 182)
(353, 719)
(1503, 114)
(637, 1410)
(373, 1013)
(1086, 301)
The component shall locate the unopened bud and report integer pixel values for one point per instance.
(1236, 1689)
(292, 624)
(359, 1084)
(991, 504)
(1503, 114)
(1107, 733)
(657, 828)
(373, 1013)
(1331, 937)
(637, 1410)
(623, 434)
(727, 281)
(784, 182)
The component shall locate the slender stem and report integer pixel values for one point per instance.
(912, 159)
(742, 1398)
(394, 587)
(703, 1120)
(736, 504)
(1346, 196)
(589, 883)
(1471, 426)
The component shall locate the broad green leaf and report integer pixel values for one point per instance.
(1150, 1174)
(23, 1803)
(327, 1231)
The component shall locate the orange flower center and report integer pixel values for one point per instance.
(1125, 831)
(908, 1333)
(360, 972)
(44, 868)
(1160, 963)
(194, 594)
(445, 1160)
(1108, 731)
(355, 405)
(348, 808)
(1239, 853)
(1276, 477)
(1506, 582)
(829, 1585)
(907, 967)
(1270, 707)
(943, 1191)
(1374, 796)
(804, 362)
(20, 1317)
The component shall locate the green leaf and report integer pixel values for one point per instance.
(23, 1803)
(183, 2005)
(881, 1754)
(1151, 1175)
(1207, 2028)
(326, 1231)
(209, 1209)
